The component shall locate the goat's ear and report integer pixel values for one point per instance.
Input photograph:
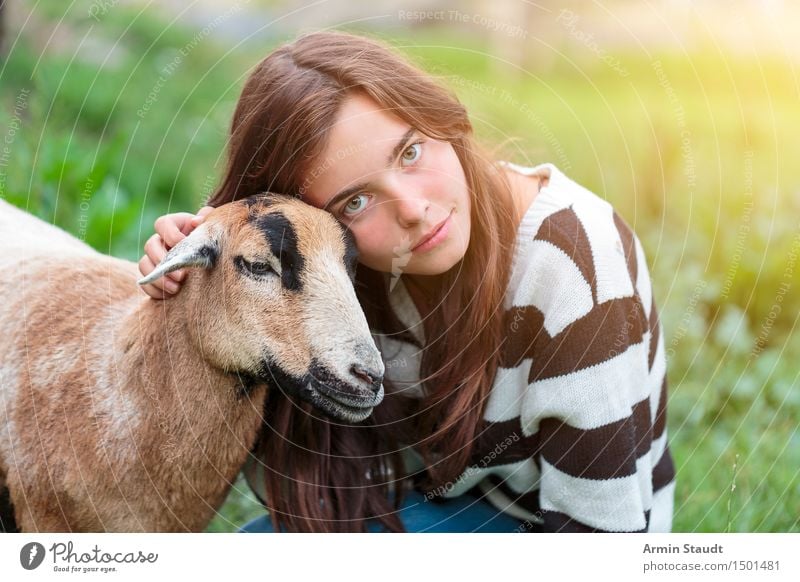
(198, 249)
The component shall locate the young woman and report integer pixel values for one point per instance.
(525, 370)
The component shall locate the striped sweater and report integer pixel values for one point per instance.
(574, 435)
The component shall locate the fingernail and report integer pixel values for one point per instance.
(171, 286)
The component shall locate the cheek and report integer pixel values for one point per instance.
(370, 244)
(450, 174)
(457, 193)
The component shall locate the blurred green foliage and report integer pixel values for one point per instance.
(696, 151)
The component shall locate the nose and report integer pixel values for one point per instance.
(411, 208)
(374, 379)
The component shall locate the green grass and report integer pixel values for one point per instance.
(240, 507)
(718, 220)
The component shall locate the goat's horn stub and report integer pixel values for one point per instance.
(190, 252)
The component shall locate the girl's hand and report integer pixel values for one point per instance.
(170, 230)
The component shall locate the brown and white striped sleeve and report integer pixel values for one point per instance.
(595, 401)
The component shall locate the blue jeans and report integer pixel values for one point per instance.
(462, 514)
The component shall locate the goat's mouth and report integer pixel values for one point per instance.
(340, 405)
(326, 391)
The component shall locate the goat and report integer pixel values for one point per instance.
(120, 413)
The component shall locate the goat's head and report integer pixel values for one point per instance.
(273, 300)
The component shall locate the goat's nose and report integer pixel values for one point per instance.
(371, 377)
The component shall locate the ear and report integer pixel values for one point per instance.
(198, 249)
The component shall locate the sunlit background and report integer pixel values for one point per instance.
(684, 115)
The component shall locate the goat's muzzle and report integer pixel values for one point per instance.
(342, 406)
(349, 400)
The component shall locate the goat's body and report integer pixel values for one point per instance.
(94, 436)
(22, 234)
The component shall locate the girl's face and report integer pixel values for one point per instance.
(403, 195)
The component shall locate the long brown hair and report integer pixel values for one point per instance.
(324, 476)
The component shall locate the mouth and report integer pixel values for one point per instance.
(329, 394)
(435, 236)
(341, 406)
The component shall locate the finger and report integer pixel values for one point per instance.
(154, 292)
(171, 227)
(162, 285)
(200, 217)
(156, 250)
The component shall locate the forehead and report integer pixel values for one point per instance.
(285, 225)
(359, 141)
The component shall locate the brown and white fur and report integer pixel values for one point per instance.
(120, 413)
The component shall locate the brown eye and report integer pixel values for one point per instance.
(412, 153)
(259, 268)
(255, 268)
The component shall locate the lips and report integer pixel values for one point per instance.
(431, 234)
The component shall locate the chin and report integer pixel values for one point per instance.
(435, 266)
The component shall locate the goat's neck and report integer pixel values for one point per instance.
(158, 347)
(196, 431)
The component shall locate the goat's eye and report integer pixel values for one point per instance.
(256, 268)
(259, 268)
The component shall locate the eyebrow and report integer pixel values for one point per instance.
(347, 192)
